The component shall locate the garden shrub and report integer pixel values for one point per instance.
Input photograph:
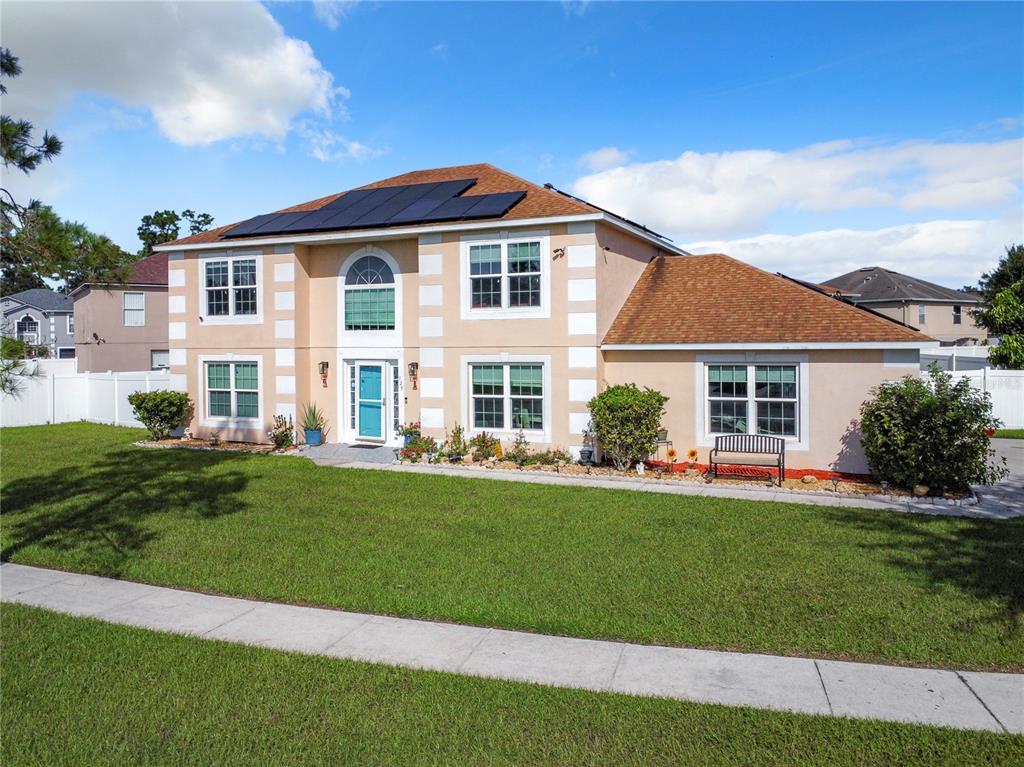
(519, 453)
(162, 411)
(625, 421)
(455, 446)
(485, 446)
(282, 432)
(930, 432)
(418, 448)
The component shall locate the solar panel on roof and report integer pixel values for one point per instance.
(385, 206)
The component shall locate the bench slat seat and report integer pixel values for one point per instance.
(749, 450)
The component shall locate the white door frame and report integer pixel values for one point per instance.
(391, 360)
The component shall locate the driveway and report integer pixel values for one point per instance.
(1008, 494)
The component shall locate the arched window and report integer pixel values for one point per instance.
(370, 295)
(28, 330)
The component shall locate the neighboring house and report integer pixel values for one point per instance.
(942, 313)
(124, 327)
(469, 296)
(42, 318)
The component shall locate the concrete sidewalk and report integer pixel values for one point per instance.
(964, 700)
(994, 503)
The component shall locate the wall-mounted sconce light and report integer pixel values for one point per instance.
(323, 373)
(558, 253)
(414, 374)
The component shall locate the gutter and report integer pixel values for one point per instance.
(770, 345)
(394, 233)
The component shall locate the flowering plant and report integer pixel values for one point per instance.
(672, 455)
(692, 454)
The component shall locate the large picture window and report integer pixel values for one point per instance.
(370, 295)
(27, 330)
(231, 287)
(232, 390)
(505, 275)
(769, 406)
(507, 396)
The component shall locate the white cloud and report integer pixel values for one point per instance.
(205, 71)
(327, 146)
(949, 252)
(331, 12)
(575, 7)
(729, 194)
(604, 158)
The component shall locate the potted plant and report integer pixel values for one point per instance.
(410, 432)
(313, 423)
(587, 451)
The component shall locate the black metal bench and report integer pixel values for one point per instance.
(749, 450)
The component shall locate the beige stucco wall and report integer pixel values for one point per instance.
(938, 319)
(837, 382)
(100, 311)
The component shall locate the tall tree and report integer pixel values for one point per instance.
(1004, 317)
(1009, 270)
(164, 226)
(21, 152)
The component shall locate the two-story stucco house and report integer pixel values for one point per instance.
(124, 326)
(940, 312)
(467, 295)
(41, 318)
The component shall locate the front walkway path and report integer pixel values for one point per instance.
(960, 699)
(994, 503)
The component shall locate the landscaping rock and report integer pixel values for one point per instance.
(921, 490)
(808, 479)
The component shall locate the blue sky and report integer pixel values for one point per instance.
(807, 138)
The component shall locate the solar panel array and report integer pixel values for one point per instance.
(385, 206)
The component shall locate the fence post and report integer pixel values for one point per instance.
(147, 383)
(116, 399)
(51, 406)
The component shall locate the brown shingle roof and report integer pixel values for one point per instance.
(538, 203)
(717, 299)
(151, 270)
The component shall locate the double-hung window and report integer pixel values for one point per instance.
(507, 396)
(505, 275)
(232, 390)
(753, 399)
(71, 324)
(957, 314)
(27, 330)
(922, 314)
(230, 287)
(134, 310)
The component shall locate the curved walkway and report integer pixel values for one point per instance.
(960, 699)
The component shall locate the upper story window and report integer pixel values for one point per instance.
(369, 295)
(231, 287)
(505, 276)
(957, 314)
(922, 314)
(134, 309)
(27, 330)
(71, 324)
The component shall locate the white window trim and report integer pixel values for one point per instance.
(370, 338)
(958, 314)
(230, 422)
(70, 319)
(706, 438)
(544, 435)
(62, 348)
(922, 314)
(503, 239)
(165, 351)
(125, 309)
(230, 319)
(37, 335)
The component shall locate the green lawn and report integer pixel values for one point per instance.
(1010, 433)
(80, 692)
(652, 568)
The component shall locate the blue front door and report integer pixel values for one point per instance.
(371, 401)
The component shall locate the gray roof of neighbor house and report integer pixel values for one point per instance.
(873, 283)
(44, 299)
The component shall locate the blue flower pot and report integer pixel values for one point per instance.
(313, 437)
(408, 439)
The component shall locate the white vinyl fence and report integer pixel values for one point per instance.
(1007, 390)
(61, 394)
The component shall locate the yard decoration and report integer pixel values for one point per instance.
(692, 455)
(626, 420)
(930, 432)
(672, 454)
(313, 423)
(162, 411)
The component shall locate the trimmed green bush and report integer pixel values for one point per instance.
(625, 422)
(930, 431)
(162, 411)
